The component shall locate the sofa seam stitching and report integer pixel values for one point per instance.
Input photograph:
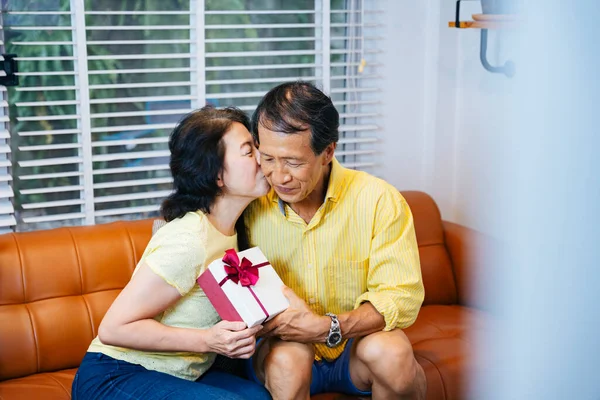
(87, 307)
(79, 264)
(59, 384)
(35, 339)
(78, 261)
(439, 373)
(66, 295)
(21, 266)
(132, 247)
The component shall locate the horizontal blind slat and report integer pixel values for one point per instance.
(358, 164)
(264, 39)
(51, 204)
(49, 132)
(129, 142)
(129, 170)
(51, 175)
(138, 71)
(51, 147)
(7, 221)
(140, 99)
(139, 85)
(133, 182)
(259, 67)
(141, 113)
(128, 210)
(56, 189)
(132, 196)
(131, 156)
(51, 161)
(55, 217)
(124, 128)
(6, 192)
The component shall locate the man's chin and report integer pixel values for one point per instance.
(287, 197)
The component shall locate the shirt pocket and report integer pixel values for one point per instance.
(348, 280)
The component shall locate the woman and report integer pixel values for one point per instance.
(161, 335)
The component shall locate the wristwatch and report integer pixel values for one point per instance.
(334, 337)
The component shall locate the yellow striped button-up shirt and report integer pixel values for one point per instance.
(360, 246)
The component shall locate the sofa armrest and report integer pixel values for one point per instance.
(476, 259)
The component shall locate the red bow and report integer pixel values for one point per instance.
(243, 272)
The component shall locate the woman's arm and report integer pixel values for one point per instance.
(129, 323)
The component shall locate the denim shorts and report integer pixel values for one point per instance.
(327, 376)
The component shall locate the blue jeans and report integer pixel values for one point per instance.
(102, 377)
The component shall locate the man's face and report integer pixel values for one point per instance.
(290, 165)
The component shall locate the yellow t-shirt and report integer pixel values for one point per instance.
(179, 252)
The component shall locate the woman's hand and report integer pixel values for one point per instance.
(232, 339)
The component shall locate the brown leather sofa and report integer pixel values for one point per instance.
(56, 285)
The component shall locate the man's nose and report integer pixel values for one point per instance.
(280, 175)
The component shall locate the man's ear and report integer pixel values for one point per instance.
(329, 152)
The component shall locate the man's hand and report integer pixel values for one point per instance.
(298, 323)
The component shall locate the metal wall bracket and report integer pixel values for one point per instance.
(8, 70)
(508, 69)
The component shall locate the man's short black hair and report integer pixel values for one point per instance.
(294, 107)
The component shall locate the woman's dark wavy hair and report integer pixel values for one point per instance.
(197, 154)
(292, 107)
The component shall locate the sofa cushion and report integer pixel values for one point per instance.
(443, 339)
(46, 386)
(436, 266)
(55, 287)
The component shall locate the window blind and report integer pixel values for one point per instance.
(102, 86)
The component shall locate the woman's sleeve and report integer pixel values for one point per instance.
(177, 258)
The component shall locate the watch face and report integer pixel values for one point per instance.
(334, 339)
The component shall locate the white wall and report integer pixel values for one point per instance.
(443, 112)
(406, 38)
(517, 159)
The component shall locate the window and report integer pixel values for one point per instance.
(102, 84)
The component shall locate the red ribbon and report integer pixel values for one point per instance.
(243, 272)
(237, 271)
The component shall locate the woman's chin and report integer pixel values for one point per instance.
(265, 190)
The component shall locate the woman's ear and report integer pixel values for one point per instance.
(220, 182)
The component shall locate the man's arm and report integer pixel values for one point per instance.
(395, 286)
(300, 324)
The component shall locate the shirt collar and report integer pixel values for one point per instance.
(334, 187)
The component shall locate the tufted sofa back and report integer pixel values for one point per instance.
(55, 287)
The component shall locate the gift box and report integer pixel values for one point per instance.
(244, 287)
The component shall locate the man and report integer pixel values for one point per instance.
(344, 243)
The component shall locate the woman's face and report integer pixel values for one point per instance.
(242, 175)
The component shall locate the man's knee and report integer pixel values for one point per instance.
(390, 358)
(284, 356)
(388, 347)
(288, 369)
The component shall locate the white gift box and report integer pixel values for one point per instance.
(253, 304)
